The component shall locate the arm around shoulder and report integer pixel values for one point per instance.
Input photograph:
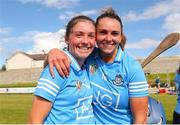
(60, 60)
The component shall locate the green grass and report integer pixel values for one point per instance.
(15, 108)
(163, 77)
(169, 103)
(15, 85)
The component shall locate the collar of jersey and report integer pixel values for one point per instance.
(118, 57)
(74, 63)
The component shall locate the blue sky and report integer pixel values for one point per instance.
(35, 25)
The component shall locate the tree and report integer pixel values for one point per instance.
(3, 67)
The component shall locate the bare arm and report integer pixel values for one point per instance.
(60, 60)
(40, 109)
(139, 108)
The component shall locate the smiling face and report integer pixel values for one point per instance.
(108, 37)
(81, 40)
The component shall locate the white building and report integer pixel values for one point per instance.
(21, 60)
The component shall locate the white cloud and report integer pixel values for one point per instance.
(172, 23)
(59, 4)
(5, 30)
(148, 43)
(39, 40)
(159, 9)
(62, 17)
(47, 40)
(67, 15)
(90, 12)
(143, 44)
(24, 38)
(70, 14)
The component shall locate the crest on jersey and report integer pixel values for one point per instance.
(93, 68)
(78, 84)
(118, 80)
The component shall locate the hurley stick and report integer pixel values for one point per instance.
(167, 43)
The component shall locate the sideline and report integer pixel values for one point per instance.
(17, 90)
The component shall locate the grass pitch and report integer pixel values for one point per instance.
(169, 103)
(15, 108)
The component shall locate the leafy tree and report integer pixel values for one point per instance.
(3, 67)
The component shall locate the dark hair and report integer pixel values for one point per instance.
(178, 70)
(74, 21)
(110, 13)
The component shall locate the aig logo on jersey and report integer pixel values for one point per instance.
(118, 80)
(84, 108)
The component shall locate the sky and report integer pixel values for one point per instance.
(36, 26)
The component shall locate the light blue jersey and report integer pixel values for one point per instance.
(177, 81)
(71, 97)
(113, 84)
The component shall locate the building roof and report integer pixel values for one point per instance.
(38, 56)
(32, 56)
